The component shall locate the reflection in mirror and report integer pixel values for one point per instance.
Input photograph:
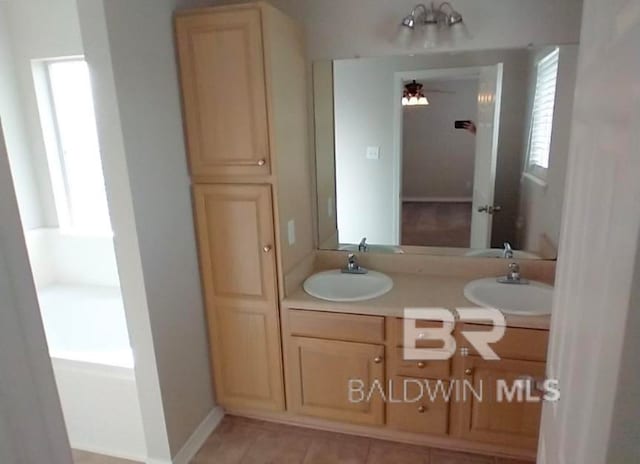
(451, 153)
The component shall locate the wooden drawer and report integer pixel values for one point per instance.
(525, 344)
(336, 326)
(419, 324)
(432, 369)
(423, 415)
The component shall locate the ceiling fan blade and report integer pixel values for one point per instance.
(439, 91)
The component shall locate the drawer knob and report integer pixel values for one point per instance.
(422, 364)
(377, 359)
(468, 371)
(421, 409)
(261, 162)
(266, 248)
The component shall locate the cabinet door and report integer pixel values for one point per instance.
(495, 419)
(223, 85)
(236, 236)
(320, 375)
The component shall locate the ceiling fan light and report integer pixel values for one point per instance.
(405, 101)
(423, 100)
(413, 101)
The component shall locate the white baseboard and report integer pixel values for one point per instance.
(109, 452)
(437, 199)
(198, 437)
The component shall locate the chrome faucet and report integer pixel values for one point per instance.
(352, 266)
(513, 276)
(362, 246)
(507, 253)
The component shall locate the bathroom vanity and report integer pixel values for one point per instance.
(279, 353)
(328, 343)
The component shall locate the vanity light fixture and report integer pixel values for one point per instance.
(413, 95)
(442, 15)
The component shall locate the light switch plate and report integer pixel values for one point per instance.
(291, 231)
(373, 153)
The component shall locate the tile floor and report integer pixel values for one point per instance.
(243, 441)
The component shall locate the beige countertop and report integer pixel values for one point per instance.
(409, 291)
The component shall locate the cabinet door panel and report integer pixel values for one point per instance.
(320, 375)
(235, 224)
(223, 84)
(241, 354)
(495, 419)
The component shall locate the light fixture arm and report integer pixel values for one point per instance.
(447, 4)
(419, 6)
(443, 14)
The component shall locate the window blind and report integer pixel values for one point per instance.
(542, 113)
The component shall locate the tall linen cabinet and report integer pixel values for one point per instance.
(243, 76)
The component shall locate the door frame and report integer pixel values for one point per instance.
(32, 415)
(398, 79)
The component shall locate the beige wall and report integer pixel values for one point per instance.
(540, 210)
(437, 158)
(130, 48)
(325, 152)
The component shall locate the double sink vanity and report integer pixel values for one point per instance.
(339, 325)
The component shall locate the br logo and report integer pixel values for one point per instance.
(479, 340)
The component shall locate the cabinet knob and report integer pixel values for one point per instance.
(421, 409)
(421, 364)
(377, 359)
(262, 162)
(468, 371)
(266, 248)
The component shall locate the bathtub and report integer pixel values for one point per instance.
(92, 360)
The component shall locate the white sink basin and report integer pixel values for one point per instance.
(498, 253)
(335, 286)
(533, 299)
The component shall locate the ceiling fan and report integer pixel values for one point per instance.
(414, 94)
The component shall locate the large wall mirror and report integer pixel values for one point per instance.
(448, 153)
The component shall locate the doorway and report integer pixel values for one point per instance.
(446, 150)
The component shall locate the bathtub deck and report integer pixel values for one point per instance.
(86, 323)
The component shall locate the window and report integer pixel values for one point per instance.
(542, 115)
(73, 149)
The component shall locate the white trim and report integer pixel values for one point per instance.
(396, 153)
(535, 179)
(198, 437)
(437, 199)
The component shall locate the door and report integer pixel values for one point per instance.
(493, 418)
(237, 257)
(593, 351)
(223, 85)
(484, 177)
(321, 371)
